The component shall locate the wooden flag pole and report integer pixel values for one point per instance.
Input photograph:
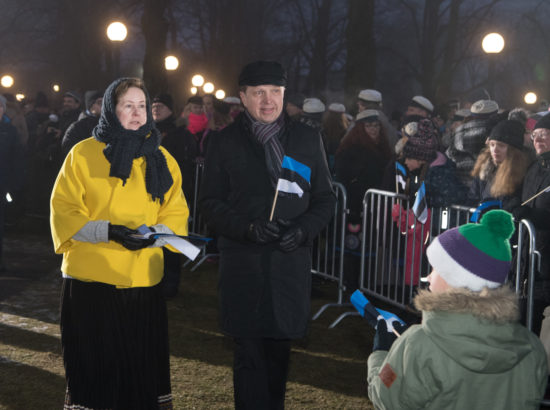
(273, 206)
(536, 195)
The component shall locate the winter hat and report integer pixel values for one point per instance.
(484, 108)
(91, 96)
(3, 102)
(72, 94)
(165, 99)
(41, 100)
(337, 107)
(544, 122)
(195, 99)
(410, 128)
(461, 114)
(422, 145)
(370, 96)
(263, 72)
(232, 100)
(313, 106)
(510, 132)
(422, 102)
(475, 255)
(367, 116)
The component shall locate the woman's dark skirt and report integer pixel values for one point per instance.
(115, 347)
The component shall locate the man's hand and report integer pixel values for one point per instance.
(292, 239)
(263, 232)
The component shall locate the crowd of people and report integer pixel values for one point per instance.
(118, 163)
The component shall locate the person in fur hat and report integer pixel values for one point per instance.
(470, 351)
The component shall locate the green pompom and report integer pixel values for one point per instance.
(499, 222)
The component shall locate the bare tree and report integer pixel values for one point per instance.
(442, 35)
(155, 31)
(361, 47)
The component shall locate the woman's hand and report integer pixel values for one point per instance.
(126, 237)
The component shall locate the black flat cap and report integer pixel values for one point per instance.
(263, 72)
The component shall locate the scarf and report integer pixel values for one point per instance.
(268, 136)
(123, 146)
(197, 123)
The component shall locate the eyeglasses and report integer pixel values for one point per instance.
(541, 134)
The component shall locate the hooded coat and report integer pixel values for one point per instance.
(263, 292)
(470, 352)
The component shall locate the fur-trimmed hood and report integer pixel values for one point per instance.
(496, 305)
(478, 330)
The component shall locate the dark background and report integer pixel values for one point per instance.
(331, 48)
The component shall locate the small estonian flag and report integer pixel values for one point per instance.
(400, 176)
(420, 206)
(295, 171)
(296, 174)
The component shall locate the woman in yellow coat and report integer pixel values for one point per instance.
(113, 315)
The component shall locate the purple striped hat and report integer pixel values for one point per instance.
(475, 256)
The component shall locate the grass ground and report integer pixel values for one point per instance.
(328, 368)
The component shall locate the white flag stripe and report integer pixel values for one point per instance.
(285, 185)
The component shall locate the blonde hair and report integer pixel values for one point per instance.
(509, 174)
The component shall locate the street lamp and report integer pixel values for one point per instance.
(6, 81)
(171, 63)
(197, 80)
(220, 94)
(208, 88)
(530, 98)
(116, 32)
(492, 44)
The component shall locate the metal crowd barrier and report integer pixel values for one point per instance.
(525, 273)
(393, 260)
(328, 251)
(197, 224)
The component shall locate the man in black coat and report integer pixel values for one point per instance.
(82, 128)
(265, 263)
(537, 210)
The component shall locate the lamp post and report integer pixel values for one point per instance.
(208, 88)
(116, 32)
(197, 81)
(171, 63)
(492, 44)
(7, 81)
(530, 98)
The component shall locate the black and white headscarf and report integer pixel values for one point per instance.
(123, 145)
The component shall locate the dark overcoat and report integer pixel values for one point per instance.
(263, 292)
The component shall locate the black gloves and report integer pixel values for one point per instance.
(522, 212)
(384, 339)
(123, 235)
(292, 239)
(262, 232)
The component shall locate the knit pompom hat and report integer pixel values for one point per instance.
(423, 144)
(475, 256)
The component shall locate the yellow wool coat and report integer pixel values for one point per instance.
(85, 192)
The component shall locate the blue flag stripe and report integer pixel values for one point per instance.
(303, 170)
(420, 206)
(400, 168)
